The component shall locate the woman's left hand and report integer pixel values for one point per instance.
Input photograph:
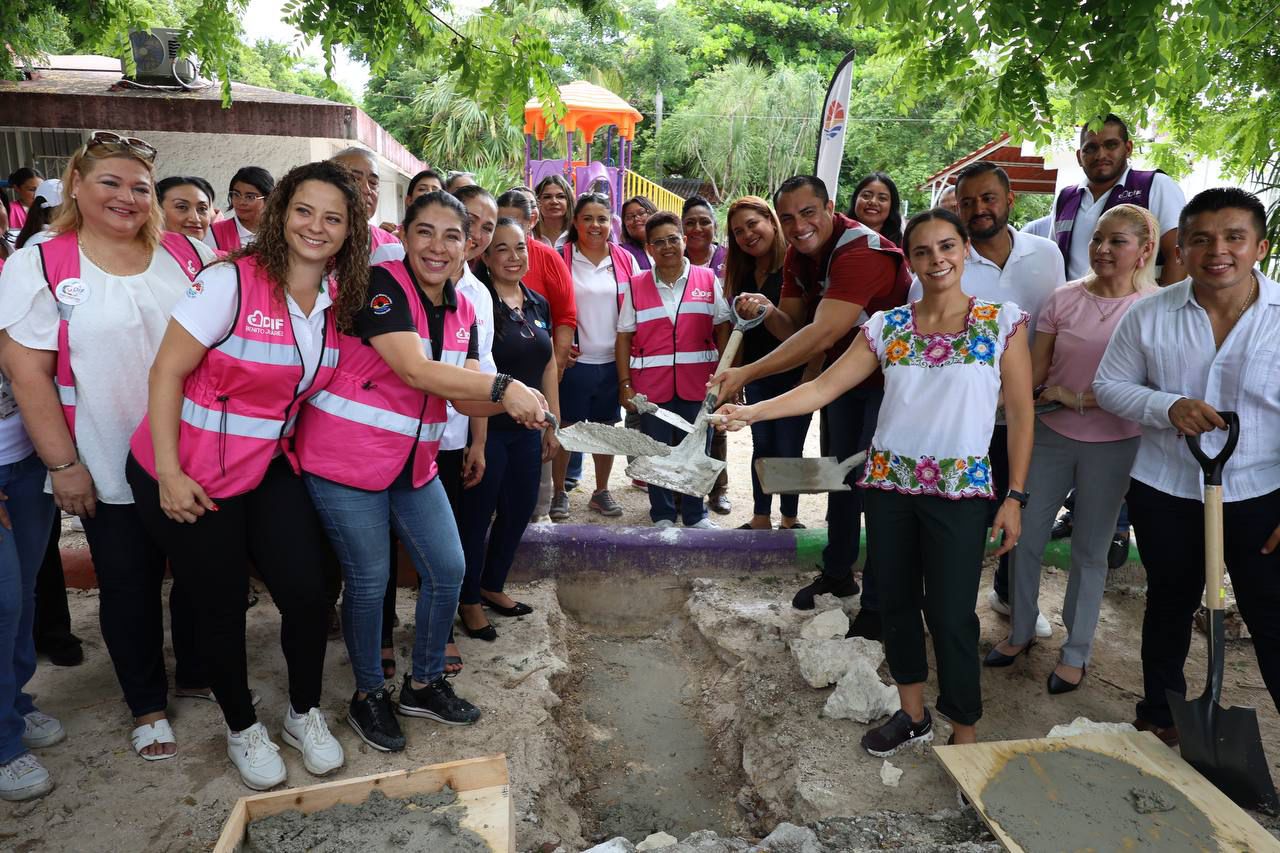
(472, 465)
(1052, 394)
(1008, 521)
(550, 446)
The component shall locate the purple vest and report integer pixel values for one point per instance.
(1136, 189)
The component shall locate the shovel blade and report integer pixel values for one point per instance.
(782, 476)
(1225, 746)
(677, 473)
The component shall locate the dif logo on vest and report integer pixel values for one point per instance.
(262, 324)
(698, 293)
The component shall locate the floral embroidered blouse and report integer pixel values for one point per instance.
(940, 394)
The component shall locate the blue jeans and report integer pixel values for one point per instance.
(512, 472)
(21, 551)
(782, 438)
(358, 523)
(662, 503)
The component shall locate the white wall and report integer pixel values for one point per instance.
(216, 156)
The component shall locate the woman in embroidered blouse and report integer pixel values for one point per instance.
(946, 360)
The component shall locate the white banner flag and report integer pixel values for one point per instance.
(834, 123)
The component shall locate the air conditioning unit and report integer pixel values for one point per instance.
(156, 55)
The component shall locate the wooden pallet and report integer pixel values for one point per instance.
(482, 785)
(973, 765)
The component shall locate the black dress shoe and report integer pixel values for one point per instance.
(1061, 685)
(1118, 553)
(65, 651)
(1061, 527)
(842, 588)
(521, 609)
(488, 633)
(997, 658)
(866, 624)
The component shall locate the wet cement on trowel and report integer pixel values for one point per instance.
(589, 437)
(1075, 799)
(688, 470)
(425, 823)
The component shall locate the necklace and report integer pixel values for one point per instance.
(85, 250)
(1105, 315)
(1248, 300)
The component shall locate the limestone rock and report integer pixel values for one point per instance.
(889, 774)
(828, 625)
(861, 695)
(824, 662)
(789, 838)
(826, 601)
(657, 841)
(1084, 725)
(613, 845)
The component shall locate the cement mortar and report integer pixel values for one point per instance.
(1076, 799)
(425, 823)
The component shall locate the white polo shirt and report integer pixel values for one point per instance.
(1042, 227)
(1165, 202)
(455, 429)
(595, 292)
(671, 295)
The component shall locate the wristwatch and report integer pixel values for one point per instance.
(1021, 497)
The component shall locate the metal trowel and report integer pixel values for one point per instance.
(644, 407)
(588, 437)
(790, 476)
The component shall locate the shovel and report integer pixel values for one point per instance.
(1224, 744)
(781, 475)
(588, 437)
(689, 470)
(644, 407)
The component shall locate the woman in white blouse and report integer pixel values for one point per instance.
(946, 360)
(115, 309)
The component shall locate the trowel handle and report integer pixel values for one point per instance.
(853, 461)
(730, 351)
(1215, 595)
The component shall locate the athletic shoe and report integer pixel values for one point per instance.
(603, 503)
(438, 702)
(559, 507)
(42, 730)
(24, 778)
(570, 484)
(1118, 553)
(1062, 527)
(720, 504)
(640, 484)
(310, 735)
(866, 624)
(664, 523)
(704, 523)
(373, 720)
(999, 605)
(900, 731)
(823, 584)
(256, 757)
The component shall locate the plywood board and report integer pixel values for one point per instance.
(482, 785)
(973, 765)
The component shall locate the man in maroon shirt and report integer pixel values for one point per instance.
(837, 271)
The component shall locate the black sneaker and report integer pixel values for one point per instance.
(900, 731)
(1062, 527)
(822, 584)
(373, 720)
(866, 624)
(1118, 553)
(438, 702)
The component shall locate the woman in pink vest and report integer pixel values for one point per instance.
(250, 187)
(212, 466)
(186, 204)
(368, 444)
(83, 314)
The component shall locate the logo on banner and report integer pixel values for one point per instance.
(380, 304)
(263, 324)
(833, 121)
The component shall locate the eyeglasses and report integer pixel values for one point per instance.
(637, 217)
(106, 143)
(526, 331)
(673, 240)
(236, 195)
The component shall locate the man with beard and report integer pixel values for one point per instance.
(1003, 265)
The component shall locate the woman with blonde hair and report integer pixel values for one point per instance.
(1080, 444)
(83, 314)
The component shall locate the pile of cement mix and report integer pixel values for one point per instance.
(1076, 799)
(426, 823)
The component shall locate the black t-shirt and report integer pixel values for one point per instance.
(521, 347)
(388, 311)
(759, 342)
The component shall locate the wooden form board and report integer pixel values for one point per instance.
(482, 785)
(973, 765)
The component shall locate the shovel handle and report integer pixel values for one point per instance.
(1212, 466)
(730, 350)
(1215, 595)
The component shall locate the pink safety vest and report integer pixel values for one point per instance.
(361, 429)
(240, 404)
(60, 258)
(621, 266)
(670, 359)
(226, 233)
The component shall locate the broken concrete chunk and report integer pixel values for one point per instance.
(827, 601)
(1084, 726)
(789, 838)
(861, 696)
(657, 841)
(824, 662)
(613, 845)
(889, 774)
(828, 625)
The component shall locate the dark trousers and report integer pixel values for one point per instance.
(998, 452)
(719, 450)
(782, 438)
(850, 423)
(926, 552)
(662, 502)
(275, 527)
(505, 496)
(1170, 535)
(52, 627)
(130, 569)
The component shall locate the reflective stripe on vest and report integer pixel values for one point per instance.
(244, 426)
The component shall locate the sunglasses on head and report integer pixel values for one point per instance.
(104, 142)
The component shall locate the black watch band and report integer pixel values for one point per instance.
(1021, 497)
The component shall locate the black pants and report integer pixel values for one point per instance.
(850, 421)
(276, 527)
(52, 627)
(130, 569)
(926, 552)
(1170, 535)
(999, 455)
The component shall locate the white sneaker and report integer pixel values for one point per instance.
(309, 734)
(256, 757)
(705, 524)
(664, 523)
(1043, 628)
(42, 730)
(24, 778)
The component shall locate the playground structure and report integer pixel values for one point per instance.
(590, 109)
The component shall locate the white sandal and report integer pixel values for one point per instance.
(149, 734)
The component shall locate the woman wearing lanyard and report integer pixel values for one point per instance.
(513, 454)
(635, 213)
(699, 222)
(247, 195)
(212, 465)
(1080, 445)
(945, 359)
(185, 205)
(84, 314)
(555, 197)
(589, 390)
(367, 445)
